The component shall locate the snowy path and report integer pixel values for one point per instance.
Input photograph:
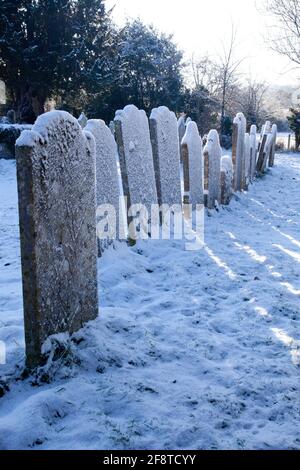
(193, 350)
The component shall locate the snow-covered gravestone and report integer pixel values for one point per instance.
(57, 188)
(253, 151)
(238, 147)
(107, 180)
(247, 162)
(136, 162)
(212, 153)
(191, 145)
(181, 132)
(261, 159)
(226, 179)
(165, 146)
(273, 148)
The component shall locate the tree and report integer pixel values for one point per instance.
(286, 33)
(294, 122)
(52, 47)
(227, 72)
(201, 107)
(252, 102)
(149, 69)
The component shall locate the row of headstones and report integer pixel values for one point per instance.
(67, 169)
(223, 175)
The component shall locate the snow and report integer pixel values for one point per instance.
(226, 164)
(45, 124)
(192, 350)
(16, 126)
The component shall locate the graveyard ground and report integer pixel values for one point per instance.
(193, 350)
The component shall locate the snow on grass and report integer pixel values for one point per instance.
(194, 350)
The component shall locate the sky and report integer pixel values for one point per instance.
(199, 27)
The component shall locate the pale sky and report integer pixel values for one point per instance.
(200, 26)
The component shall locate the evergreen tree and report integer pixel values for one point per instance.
(294, 122)
(53, 47)
(148, 72)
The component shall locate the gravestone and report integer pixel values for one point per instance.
(226, 179)
(253, 151)
(165, 147)
(247, 162)
(238, 147)
(57, 195)
(136, 160)
(107, 179)
(212, 168)
(265, 131)
(192, 155)
(273, 148)
(267, 151)
(181, 132)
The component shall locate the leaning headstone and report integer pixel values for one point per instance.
(273, 149)
(193, 165)
(57, 188)
(136, 160)
(181, 131)
(165, 146)
(247, 162)
(253, 151)
(187, 121)
(82, 120)
(267, 151)
(238, 147)
(212, 168)
(265, 131)
(107, 180)
(226, 179)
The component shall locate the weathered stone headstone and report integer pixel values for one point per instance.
(273, 148)
(136, 159)
(181, 132)
(193, 165)
(212, 168)
(267, 151)
(247, 162)
(265, 131)
(107, 179)
(253, 151)
(165, 147)
(57, 188)
(226, 179)
(238, 147)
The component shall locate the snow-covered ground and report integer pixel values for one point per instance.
(193, 350)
